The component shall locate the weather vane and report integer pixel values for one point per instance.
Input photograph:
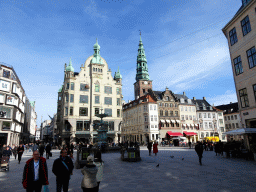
(140, 32)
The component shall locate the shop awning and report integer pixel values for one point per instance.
(167, 121)
(192, 125)
(162, 121)
(189, 133)
(240, 131)
(178, 121)
(174, 133)
(184, 125)
(173, 121)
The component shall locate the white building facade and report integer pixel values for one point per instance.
(84, 95)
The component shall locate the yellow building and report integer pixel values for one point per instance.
(240, 32)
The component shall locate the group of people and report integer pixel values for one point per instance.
(155, 148)
(35, 174)
(14, 150)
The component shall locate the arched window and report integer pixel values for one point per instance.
(171, 105)
(161, 112)
(166, 113)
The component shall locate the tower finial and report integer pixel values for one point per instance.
(140, 32)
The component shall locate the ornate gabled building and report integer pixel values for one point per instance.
(168, 113)
(188, 117)
(143, 83)
(85, 94)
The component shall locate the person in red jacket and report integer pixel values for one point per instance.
(155, 149)
(35, 173)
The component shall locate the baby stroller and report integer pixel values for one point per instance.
(4, 163)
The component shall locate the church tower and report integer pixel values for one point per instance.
(143, 83)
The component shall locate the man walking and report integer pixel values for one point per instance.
(199, 150)
(149, 147)
(20, 151)
(48, 150)
(63, 169)
(41, 150)
(35, 173)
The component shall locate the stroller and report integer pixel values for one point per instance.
(4, 163)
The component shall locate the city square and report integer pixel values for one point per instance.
(117, 78)
(173, 174)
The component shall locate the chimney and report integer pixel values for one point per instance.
(184, 93)
(204, 98)
(194, 98)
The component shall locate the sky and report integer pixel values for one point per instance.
(185, 48)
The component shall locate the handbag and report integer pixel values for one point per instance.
(46, 189)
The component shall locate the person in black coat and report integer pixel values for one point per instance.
(199, 150)
(41, 150)
(149, 147)
(20, 151)
(63, 169)
(35, 173)
(48, 150)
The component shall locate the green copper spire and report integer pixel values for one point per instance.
(70, 67)
(96, 56)
(142, 67)
(118, 74)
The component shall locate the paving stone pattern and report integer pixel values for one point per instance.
(173, 174)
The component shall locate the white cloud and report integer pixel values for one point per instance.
(226, 98)
(188, 71)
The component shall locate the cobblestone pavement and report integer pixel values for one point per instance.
(173, 174)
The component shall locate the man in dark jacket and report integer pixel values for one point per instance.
(149, 147)
(63, 168)
(199, 150)
(35, 173)
(20, 151)
(48, 150)
(41, 150)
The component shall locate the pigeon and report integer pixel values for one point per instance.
(182, 159)
(157, 165)
(172, 156)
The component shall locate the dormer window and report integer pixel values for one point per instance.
(167, 98)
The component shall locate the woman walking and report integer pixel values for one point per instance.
(155, 149)
(89, 182)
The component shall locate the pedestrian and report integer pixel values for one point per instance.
(7, 152)
(100, 165)
(189, 144)
(199, 150)
(41, 150)
(35, 173)
(89, 182)
(48, 150)
(149, 147)
(20, 151)
(35, 147)
(14, 151)
(155, 149)
(63, 169)
(72, 148)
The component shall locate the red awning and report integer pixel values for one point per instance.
(189, 133)
(174, 133)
